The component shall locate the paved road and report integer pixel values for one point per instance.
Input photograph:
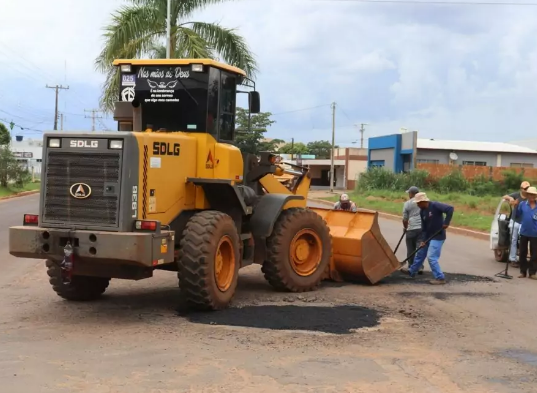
(469, 336)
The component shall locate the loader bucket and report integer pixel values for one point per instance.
(359, 251)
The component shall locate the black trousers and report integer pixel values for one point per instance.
(526, 265)
(411, 239)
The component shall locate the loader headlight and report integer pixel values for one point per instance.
(126, 68)
(197, 67)
(115, 144)
(54, 142)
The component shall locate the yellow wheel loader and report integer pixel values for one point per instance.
(170, 191)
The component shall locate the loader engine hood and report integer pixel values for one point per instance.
(89, 181)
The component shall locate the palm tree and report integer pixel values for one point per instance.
(139, 30)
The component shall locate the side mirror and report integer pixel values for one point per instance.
(254, 102)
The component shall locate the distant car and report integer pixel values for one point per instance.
(500, 233)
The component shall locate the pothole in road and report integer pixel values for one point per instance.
(402, 278)
(335, 320)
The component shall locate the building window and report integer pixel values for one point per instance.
(521, 165)
(427, 161)
(377, 163)
(474, 163)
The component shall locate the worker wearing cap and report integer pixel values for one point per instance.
(433, 226)
(527, 212)
(514, 199)
(345, 204)
(412, 225)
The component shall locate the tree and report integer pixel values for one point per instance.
(5, 136)
(137, 30)
(252, 142)
(321, 149)
(10, 169)
(295, 148)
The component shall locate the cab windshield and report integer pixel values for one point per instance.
(171, 97)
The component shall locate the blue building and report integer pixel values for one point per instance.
(396, 152)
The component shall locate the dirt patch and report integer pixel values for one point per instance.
(451, 278)
(374, 198)
(335, 320)
(446, 295)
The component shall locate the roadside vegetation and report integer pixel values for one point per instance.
(475, 201)
(13, 177)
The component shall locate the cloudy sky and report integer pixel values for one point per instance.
(464, 72)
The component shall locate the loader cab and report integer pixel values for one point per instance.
(181, 95)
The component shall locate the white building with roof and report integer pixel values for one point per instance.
(402, 152)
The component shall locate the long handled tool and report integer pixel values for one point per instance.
(419, 248)
(402, 236)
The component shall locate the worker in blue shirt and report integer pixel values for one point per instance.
(527, 212)
(432, 223)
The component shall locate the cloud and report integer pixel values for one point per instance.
(449, 71)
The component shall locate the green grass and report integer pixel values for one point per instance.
(471, 212)
(27, 187)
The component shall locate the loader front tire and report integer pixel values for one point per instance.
(81, 288)
(209, 260)
(298, 251)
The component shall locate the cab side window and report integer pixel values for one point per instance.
(228, 92)
(212, 109)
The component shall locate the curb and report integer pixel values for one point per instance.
(19, 194)
(456, 230)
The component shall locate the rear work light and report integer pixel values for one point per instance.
(54, 142)
(146, 225)
(31, 219)
(115, 144)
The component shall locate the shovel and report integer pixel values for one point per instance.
(419, 248)
(402, 236)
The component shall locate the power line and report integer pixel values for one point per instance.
(13, 124)
(440, 2)
(301, 110)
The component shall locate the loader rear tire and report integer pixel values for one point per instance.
(81, 288)
(298, 251)
(209, 260)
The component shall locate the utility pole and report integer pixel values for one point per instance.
(169, 30)
(292, 147)
(362, 130)
(93, 117)
(57, 88)
(333, 145)
(61, 121)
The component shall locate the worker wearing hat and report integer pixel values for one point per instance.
(514, 199)
(433, 225)
(345, 204)
(527, 212)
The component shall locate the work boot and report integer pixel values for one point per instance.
(420, 272)
(438, 282)
(533, 277)
(515, 264)
(523, 275)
